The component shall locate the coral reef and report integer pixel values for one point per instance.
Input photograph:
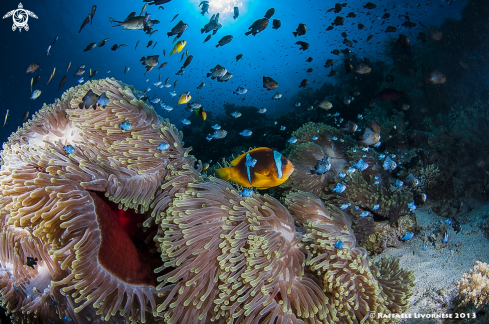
(96, 202)
(474, 286)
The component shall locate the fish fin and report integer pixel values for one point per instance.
(225, 173)
(247, 33)
(295, 34)
(236, 160)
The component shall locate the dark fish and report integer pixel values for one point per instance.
(225, 40)
(350, 127)
(90, 47)
(85, 22)
(154, 44)
(63, 80)
(276, 24)
(269, 83)
(304, 45)
(332, 73)
(370, 5)
(94, 8)
(25, 116)
(269, 13)
(238, 57)
(329, 62)
(137, 43)
(149, 43)
(125, 69)
(207, 38)
(31, 262)
(36, 79)
(92, 74)
(31, 68)
(337, 7)
(386, 15)
(408, 24)
(183, 55)
(361, 26)
(178, 30)
(335, 52)
(389, 94)
(257, 26)
(80, 70)
(163, 65)
(369, 38)
(348, 66)
(142, 9)
(309, 59)
(174, 18)
(390, 29)
(114, 47)
(164, 53)
(351, 15)
(54, 41)
(187, 61)
(338, 21)
(403, 41)
(175, 84)
(89, 100)
(301, 30)
(329, 28)
(102, 43)
(309, 70)
(304, 83)
(236, 12)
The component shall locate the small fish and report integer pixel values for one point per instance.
(218, 134)
(389, 164)
(202, 113)
(445, 238)
(364, 213)
(54, 41)
(102, 42)
(339, 244)
(35, 94)
(68, 68)
(94, 8)
(173, 93)
(292, 140)
(262, 110)
(89, 100)
(236, 13)
(425, 247)
(66, 319)
(277, 96)
(322, 166)
(85, 22)
(144, 8)
(48, 52)
(32, 67)
(339, 188)
(412, 207)
(282, 128)
(178, 47)
(80, 80)
(369, 137)
(163, 146)
(126, 125)
(103, 100)
(325, 104)
(361, 165)
(149, 43)
(408, 236)
(276, 24)
(25, 116)
(69, 149)
(448, 222)
(411, 180)
(52, 74)
(240, 91)
(301, 30)
(201, 85)
(31, 262)
(90, 47)
(163, 65)
(236, 114)
(246, 132)
(5, 120)
(63, 80)
(345, 206)
(247, 192)
(80, 70)
(375, 207)
(186, 121)
(314, 138)
(207, 38)
(92, 74)
(216, 126)
(350, 127)
(269, 83)
(174, 18)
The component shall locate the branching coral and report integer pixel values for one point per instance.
(347, 273)
(428, 176)
(474, 286)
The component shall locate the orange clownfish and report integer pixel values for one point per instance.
(261, 168)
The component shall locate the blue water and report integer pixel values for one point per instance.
(270, 53)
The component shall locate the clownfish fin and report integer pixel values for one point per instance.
(236, 160)
(225, 173)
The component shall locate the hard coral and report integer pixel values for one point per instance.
(474, 286)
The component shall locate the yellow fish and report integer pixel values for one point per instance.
(178, 47)
(261, 168)
(184, 98)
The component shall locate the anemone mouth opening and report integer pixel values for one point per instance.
(127, 249)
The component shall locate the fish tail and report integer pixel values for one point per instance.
(247, 33)
(225, 173)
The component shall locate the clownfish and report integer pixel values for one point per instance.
(261, 168)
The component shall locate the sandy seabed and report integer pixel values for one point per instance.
(438, 270)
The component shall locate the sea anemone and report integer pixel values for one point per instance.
(235, 259)
(78, 186)
(358, 287)
(306, 153)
